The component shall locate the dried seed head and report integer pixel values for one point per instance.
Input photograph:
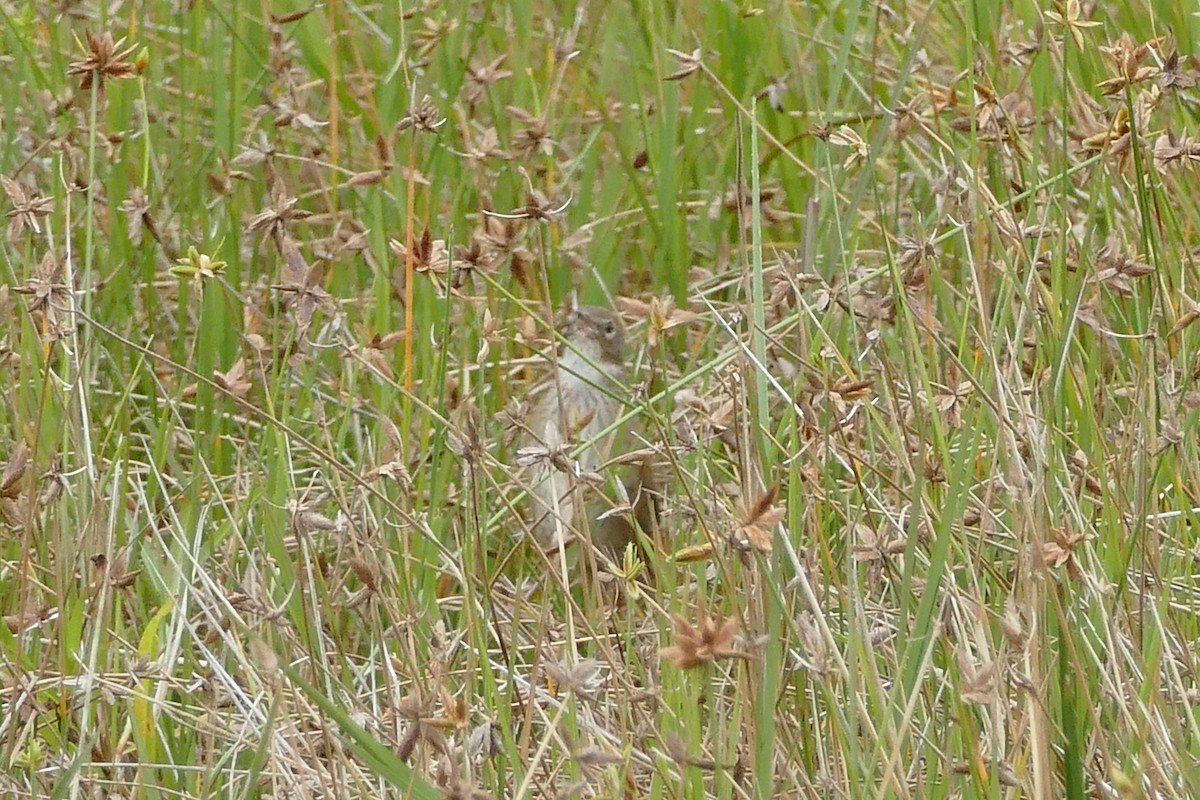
(103, 59)
(709, 641)
(424, 117)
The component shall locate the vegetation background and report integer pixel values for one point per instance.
(911, 286)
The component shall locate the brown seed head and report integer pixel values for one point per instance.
(104, 58)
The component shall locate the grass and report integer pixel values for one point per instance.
(912, 291)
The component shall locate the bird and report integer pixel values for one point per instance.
(580, 403)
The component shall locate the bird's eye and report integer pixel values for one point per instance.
(610, 328)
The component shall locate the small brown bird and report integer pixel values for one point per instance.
(583, 399)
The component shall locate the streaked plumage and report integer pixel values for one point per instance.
(583, 399)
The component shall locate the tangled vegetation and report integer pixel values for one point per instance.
(910, 290)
